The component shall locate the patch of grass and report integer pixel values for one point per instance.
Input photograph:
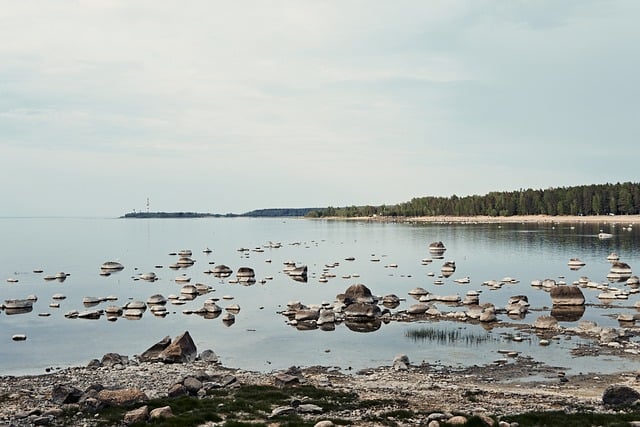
(247, 405)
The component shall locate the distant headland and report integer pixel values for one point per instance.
(258, 213)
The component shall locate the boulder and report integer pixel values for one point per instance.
(181, 350)
(419, 308)
(139, 415)
(64, 393)
(192, 384)
(125, 396)
(359, 293)
(283, 379)
(401, 362)
(208, 356)
(619, 395)
(153, 352)
(162, 412)
(326, 316)
(457, 420)
(391, 301)
(177, 390)
(545, 322)
(566, 295)
(362, 310)
(307, 314)
(111, 359)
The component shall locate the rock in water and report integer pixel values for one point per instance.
(181, 350)
(359, 293)
(566, 295)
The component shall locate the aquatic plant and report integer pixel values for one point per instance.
(448, 336)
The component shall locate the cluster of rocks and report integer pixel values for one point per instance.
(362, 311)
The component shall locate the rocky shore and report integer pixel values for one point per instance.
(430, 394)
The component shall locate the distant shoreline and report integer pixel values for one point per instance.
(482, 219)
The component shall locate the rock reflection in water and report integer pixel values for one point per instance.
(363, 326)
(568, 313)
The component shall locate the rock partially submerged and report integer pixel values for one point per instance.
(566, 295)
(181, 350)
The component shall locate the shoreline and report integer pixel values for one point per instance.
(483, 219)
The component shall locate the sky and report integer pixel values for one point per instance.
(229, 106)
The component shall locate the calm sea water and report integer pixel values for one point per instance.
(260, 338)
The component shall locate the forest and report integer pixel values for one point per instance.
(596, 199)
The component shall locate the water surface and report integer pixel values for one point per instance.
(260, 338)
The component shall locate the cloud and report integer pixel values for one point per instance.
(341, 103)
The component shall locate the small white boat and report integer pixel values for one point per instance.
(602, 235)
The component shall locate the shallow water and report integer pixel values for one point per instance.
(260, 338)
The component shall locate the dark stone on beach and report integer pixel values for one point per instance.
(63, 394)
(193, 385)
(93, 363)
(120, 397)
(220, 381)
(162, 412)
(41, 421)
(283, 379)
(620, 395)
(181, 350)
(208, 356)
(139, 415)
(153, 352)
(177, 390)
(111, 359)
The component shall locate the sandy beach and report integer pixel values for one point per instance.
(483, 219)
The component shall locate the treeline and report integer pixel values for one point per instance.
(597, 199)
(173, 215)
(271, 212)
(279, 212)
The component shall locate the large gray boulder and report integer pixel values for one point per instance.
(359, 293)
(566, 295)
(153, 352)
(181, 350)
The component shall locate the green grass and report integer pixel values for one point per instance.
(247, 405)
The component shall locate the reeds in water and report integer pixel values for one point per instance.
(448, 336)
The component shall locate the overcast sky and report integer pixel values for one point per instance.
(229, 106)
